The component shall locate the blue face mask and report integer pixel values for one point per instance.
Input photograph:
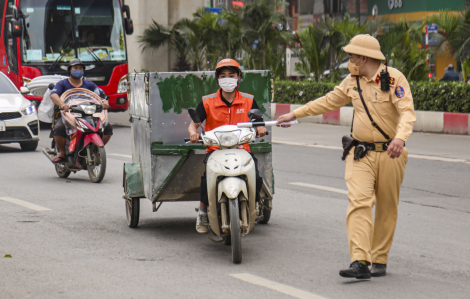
(77, 74)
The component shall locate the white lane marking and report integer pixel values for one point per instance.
(119, 155)
(281, 288)
(414, 156)
(320, 187)
(309, 145)
(24, 204)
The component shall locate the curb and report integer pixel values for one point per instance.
(426, 121)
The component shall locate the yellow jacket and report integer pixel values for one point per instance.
(393, 111)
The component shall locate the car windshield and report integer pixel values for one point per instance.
(49, 34)
(6, 86)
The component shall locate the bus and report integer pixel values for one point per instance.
(40, 37)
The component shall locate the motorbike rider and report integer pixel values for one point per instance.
(76, 70)
(227, 106)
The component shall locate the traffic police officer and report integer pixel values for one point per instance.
(376, 164)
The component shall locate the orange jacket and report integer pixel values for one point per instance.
(219, 114)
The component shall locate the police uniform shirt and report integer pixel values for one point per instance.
(392, 110)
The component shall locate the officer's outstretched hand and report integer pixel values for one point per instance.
(285, 118)
(395, 148)
(261, 131)
(194, 138)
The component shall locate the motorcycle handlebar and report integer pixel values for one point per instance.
(187, 140)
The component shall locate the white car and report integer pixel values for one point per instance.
(18, 117)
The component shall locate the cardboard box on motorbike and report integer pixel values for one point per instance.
(164, 167)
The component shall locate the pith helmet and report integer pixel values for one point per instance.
(364, 45)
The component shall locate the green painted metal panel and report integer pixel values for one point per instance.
(168, 178)
(133, 176)
(180, 93)
(415, 6)
(261, 147)
(171, 149)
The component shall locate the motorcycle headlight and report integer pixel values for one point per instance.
(28, 110)
(246, 138)
(88, 109)
(228, 139)
(122, 86)
(208, 140)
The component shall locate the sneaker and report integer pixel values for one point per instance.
(378, 270)
(202, 224)
(356, 270)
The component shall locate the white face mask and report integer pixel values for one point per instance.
(228, 84)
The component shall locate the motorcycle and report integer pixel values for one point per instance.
(231, 181)
(84, 147)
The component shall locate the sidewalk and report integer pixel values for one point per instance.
(424, 144)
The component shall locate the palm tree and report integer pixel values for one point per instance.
(157, 36)
(202, 33)
(341, 32)
(456, 37)
(261, 31)
(401, 44)
(314, 51)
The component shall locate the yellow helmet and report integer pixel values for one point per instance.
(364, 45)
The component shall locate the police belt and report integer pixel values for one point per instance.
(376, 147)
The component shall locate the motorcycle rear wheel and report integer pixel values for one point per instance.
(97, 170)
(60, 168)
(235, 231)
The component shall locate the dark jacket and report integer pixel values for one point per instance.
(450, 76)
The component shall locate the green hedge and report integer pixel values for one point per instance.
(427, 96)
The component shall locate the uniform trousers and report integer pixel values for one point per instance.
(373, 180)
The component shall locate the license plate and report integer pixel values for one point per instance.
(2, 126)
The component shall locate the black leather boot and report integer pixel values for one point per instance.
(356, 270)
(378, 270)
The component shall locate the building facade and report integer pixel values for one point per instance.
(415, 11)
(165, 12)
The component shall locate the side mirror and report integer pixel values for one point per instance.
(255, 115)
(128, 26)
(24, 90)
(16, 27)
(194, 116)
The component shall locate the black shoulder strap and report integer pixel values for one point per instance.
(367, 111)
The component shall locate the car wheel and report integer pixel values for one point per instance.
(29, 146)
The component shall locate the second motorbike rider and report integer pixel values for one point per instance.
(227, 106)
(76, 70)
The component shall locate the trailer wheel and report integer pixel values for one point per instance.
(265, 212)
(132, 208)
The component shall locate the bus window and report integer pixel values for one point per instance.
(49, 33)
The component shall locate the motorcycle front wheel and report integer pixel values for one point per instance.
(235, 231)
(97, 167)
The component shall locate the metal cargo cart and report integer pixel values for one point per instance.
(166, 169)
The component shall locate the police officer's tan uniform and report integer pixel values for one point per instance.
(376, 178)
